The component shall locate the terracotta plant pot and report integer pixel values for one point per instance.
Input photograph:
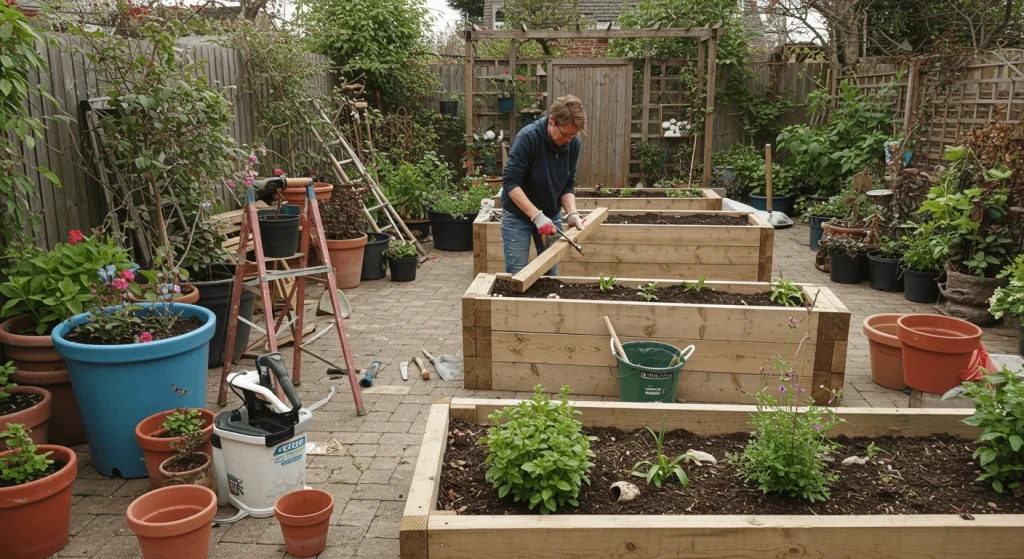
(885, 350)
(200, 475)
(35, 516)
(156, 449)
(189, 295)
(935, 350)
(347, 260)
(174, 522)
(37, 363)
(843, 231)
(35, 418)
(305, 519)
(297, 194)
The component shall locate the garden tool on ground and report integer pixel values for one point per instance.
(424, 373)
(777, 220)
(371, 372)
(403, 367)
(448, 367)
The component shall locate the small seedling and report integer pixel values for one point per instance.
(658, 472)
(606, 284)
(647, 292)
(626, 192)
(682, 193)
(873, 449)
(23, 464)
(184, 421)
(786, 293)
(697, 287)
(6, 370)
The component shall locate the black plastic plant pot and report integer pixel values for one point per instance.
(844, 268)
(419, 227)
(885, 272)
(403, 269)
(215, 295)
(817, 231)
(921, 287)
(782, 204)
(373, 256)
(451, 233)
(279, 232)
(450, 108)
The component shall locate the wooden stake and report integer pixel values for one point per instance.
(615, 340)
(768, 176)
(554, 253)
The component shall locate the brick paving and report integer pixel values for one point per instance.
(371, 473)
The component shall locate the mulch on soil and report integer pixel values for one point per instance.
(617, 193)
(667, 294)
(50, 470)
(17, 402)
(180, 327)
(687, 219)
(925, 475)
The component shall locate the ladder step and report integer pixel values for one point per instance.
(282, 274)
(377, 207)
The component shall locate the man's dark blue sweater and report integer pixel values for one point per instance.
(541, 168)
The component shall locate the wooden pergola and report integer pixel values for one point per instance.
(706, 37)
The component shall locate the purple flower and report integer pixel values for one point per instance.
(248, 181)
(792, 322)
(816, 427)
(177, 289)
(782, 389)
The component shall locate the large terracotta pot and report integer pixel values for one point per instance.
(35, 418)
(201, 475)
(189, 295)
(297, 194)
(935, 350)
(174, 522)
(305, 520)
(35, 516)
(157, 449)
(843, 231)
(347, 260)
(37, 363)
(885, 350)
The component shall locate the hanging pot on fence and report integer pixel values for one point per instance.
(967, 296)
(506, 104)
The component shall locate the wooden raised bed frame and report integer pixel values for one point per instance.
(516, 343)
(719, 252)
(437, 534)
(709, 200)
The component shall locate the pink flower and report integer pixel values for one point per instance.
(506, 72)
(75, 236)
(252, 157)
(145, 337)
(521, 78)
(792, 322)
(816, 427)
(248, 181)
(119, 284)
(782, 389)
(127, 275)
(279, 172)
(231, 185)
(176, 288)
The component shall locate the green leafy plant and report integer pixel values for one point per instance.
(652, 161)
(460, 202)
(626, 192)
(657, 472)
(872, 450)
(842, 244)
(183, 420)
(834, 207)
(408, 185)
(683, 193)
(1010, 299)
(647, 292)
(25, 464)
(787, 451)
(6, 370)
(924, 249)
(538, 452)
(400, 249)
(892, 249)
(113, 319)
(787, 293)
(999, 413)
(483, 149)
(606, 284)
(696, 287)
(747, 166)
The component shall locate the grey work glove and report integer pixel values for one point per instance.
(575, 220)
(543, 224)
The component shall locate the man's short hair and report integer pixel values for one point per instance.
(569, 109)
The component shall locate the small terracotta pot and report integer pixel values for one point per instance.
(35, 418)
(157, 449)
(189, 295)
(174, 522)
(935, 350)
(885, 350)
(844, 231)
(201, 475)
(35, 516)
(347, 260)
(305, 519)
(297, 194)
(29, 351)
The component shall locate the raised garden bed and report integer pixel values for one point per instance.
(428, 531)
(644, 199)
(514, 343)
(659, 244)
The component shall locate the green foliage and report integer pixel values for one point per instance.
(114, 320)
(538, 452)
(657, 472)
(24, 464)
(1010, 299)
(836, 243)
(50, 286)
(748, 166)
(891, 248)
(342, 215)
(483, 150)
(652, 160)
(924, 252)
(999, 413)
(787, 293)
(606, 284)
(787, 450)
(6, 370)
(408, 185)
(683, 193)
(647, 292)
(834, 207)
(541, 14)
(626, 192)
(471, 10)
(696, 287)
(460, 202)
(183, 420)
(400, 249)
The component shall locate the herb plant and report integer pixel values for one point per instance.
(538, 452)
(606, 284)
(6, 370)
(183, 420)
(647, 292)
(626, 192)
(463, 202)
(658, 472)
(891, 249)
(786, 293)
(696, 287)
(999, 413)
(1010, 299)
(24, 464)
(682, 193)
(400, 249)
(834, 208)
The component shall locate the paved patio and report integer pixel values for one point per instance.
(371, 473)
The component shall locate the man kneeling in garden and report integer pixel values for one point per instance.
(538, 180)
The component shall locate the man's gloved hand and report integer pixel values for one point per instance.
(575, 220)
(543, 224)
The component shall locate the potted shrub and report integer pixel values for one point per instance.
(846, 255)
(345, 230)
(859, 209)
(783, 197)
(35, 495)
(137, 350)
(43, 288)
(27, 405)
(189, 465)
(402, 259)
(884, 265)
(1009, 299)
(174, 521)
(452, 212)
(408, 186)
(483, 150)
(819, 214)
(162, 434)
(921, 263)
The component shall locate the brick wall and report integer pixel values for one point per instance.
(585, 47)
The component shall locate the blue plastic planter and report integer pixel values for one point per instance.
(817, 231)
(783, 204)
(117, 386)
(506, 104)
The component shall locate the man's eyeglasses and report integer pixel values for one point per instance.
(564, 135)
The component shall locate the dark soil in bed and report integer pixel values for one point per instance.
(669, 219)
(637, 193)
(927, 475)
(666, 294)
(180, 327)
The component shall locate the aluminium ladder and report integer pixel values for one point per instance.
(311, 236)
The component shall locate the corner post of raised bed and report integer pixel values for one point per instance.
(476, 334)
(426, 479)
(766, 247)
(480, 242)
(831, 343)
(555, 252)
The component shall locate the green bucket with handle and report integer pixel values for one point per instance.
(648, 377)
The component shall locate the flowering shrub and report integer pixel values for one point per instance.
(113, 319)
(1010, 299)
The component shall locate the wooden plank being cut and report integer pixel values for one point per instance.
(554, 253)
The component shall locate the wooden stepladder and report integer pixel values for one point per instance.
(311, 236)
